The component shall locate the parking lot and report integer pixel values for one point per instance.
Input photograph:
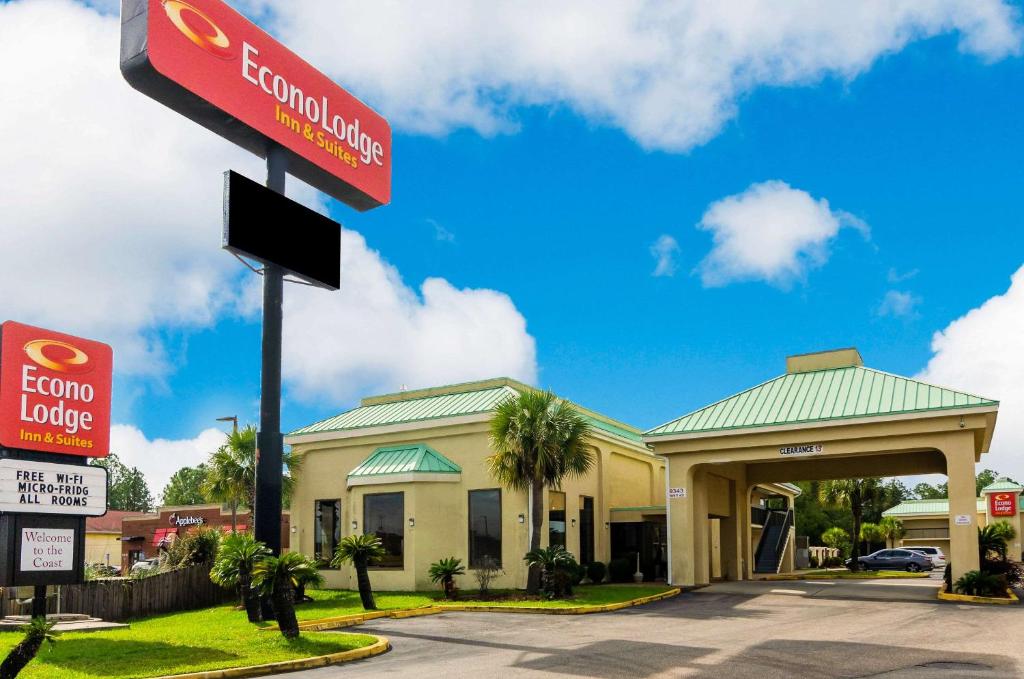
(763, 629)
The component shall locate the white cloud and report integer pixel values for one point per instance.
(980, 353)
(770, 232)
(378, 334)
(441, 233)
(664, 251)
(895, 276)
(670, 74)
(158, 459)
(898, 303)
(111, 209)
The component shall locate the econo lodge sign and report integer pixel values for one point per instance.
(54, 391)
(209, 63)
(1002, 504)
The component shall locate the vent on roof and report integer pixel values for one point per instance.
(823, 360)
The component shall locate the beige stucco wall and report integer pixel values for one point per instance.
(625, 475)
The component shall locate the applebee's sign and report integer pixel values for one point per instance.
(181, 521)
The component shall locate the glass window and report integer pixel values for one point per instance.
(326, 531)
(556, 519)
(484, 527)
(586, 529)
(384, 516)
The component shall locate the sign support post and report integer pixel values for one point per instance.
(270, 443)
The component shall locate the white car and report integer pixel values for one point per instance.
(934, 553)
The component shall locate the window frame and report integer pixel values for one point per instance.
(565, 518)
(389, 567)
(336, 537)
(469, 525)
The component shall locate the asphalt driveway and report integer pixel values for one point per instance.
(715, 633)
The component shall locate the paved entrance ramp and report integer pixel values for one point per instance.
(916, 589)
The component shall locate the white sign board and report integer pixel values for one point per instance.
(47, 549)
(962, 520)
(676, 493)
(802, 449)
(46, 488)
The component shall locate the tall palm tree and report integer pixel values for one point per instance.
(238, 556)
(232, 472)
(892, 529)
(852, 494)
(360, 550)
(539, 440)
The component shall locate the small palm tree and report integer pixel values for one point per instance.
(555, 565)
(444, 572)
(892, 530)
(836, 538)
(360, 550)
(539, 440)
(852, 494)
(277, 577)
(238, 556)
(36, 632)
(871, 534)
(992, 540)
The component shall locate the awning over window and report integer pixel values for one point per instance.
(161, 534)
(241, 528)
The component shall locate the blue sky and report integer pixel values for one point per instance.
(556, 200)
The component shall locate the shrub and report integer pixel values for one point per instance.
(813, 562)
(36, 632)
(621, 569)
(977, 583)
(596, 571)
(485, 572)
(198, 546)
(444, 572)
(233, 568)
(1007, 570)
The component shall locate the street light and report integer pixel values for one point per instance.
(233, 419)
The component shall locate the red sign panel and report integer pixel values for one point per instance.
(54, 391)
(211, 64)
(1002, 504)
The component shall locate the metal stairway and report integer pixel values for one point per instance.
(772, 545)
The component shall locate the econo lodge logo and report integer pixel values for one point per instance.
(58, 356)
(199, 28)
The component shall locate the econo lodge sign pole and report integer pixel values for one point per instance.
(209, 63)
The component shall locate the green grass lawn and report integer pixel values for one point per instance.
(208, 639)
(330, 603)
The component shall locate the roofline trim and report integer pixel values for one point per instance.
(951, 411)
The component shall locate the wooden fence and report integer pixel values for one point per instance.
(120, 599)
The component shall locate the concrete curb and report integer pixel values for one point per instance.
(791, 577)
(966, 598)
(324, 624)
(380, 646)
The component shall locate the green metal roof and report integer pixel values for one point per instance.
(407, 459)
(821, 396)
(1002, 484)
(922, 507)
(471, 398)
(412, 410)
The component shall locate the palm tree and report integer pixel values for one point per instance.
(892, 530)
(36, 632)
(232, 472)
(359, 550)
(539, 440)
(277, 577)
(852, 494)
(554, 562)
(871, 534)
(444, 572)
(238, 556)
(992, 539)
